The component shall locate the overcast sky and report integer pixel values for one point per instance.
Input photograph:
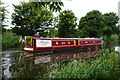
(79, 7)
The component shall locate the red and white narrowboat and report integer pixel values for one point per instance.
(50, 45)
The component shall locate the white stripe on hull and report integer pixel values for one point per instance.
(30, 49)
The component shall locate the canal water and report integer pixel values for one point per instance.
(17, 64)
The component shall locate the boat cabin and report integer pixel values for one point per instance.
(50, 45)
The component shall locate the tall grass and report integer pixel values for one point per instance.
(105, 66)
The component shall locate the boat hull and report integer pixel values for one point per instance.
(48, 51)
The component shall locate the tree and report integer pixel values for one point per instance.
(110, 20)
(91, 24)
(66, 24)
(53, 6)
(31, 17)
(53, 32)
(3, 14)
(78, 33)
(112, 41)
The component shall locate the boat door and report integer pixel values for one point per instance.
(76, 42)
(33, 42)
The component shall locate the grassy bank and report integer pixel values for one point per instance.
(10, 40)
(105, 66)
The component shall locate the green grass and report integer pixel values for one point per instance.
(105, 66)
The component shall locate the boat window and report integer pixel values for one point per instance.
(68, 42)
(90, 42)
(57, 43)
(81, 42)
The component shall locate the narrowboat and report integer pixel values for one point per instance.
(53, 45)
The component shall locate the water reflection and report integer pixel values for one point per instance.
(6, 63)
(56, 57)
(24, 65)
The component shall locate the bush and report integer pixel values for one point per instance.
(9, 40)
(111, 42)
(119, 39)
(106, 66)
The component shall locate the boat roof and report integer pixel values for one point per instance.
(68, 38)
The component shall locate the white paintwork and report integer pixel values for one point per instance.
(43, 43)
(63, 43)
(86, 42)
(29, 49)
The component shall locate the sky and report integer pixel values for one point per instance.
(79, 7)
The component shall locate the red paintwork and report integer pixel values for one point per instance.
(65, 45)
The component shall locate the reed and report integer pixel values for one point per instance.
(105, 66)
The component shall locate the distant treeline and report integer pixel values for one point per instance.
(29, 18)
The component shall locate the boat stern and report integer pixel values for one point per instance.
(28, 49)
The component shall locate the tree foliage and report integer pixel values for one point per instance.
(110, 20)
(3, 13)
(53, 32)
(53, 6)
(66, 24)
(94, 24)
(33, 16)
(112, 41)
(91, 24)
